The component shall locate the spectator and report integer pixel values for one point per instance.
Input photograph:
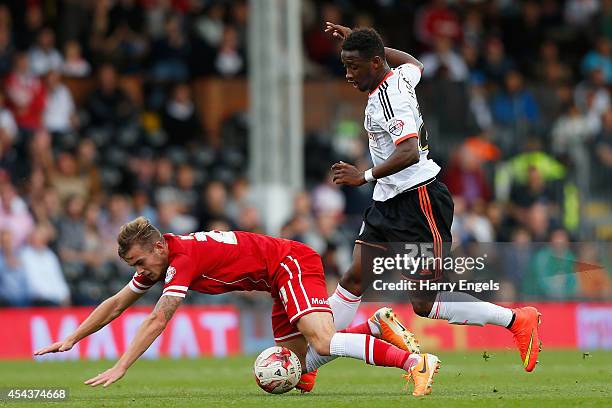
(514, 108)
(71, 236)
(142, 206)
(249, 220)
(46, 283)
(473, 28)
(444, 62)
(8, 127)
(240, 197)
(593, 280)
(170, 53)
(548, 67)
(603, 154)
(74, 64)
(41, 152)
(172, 219)
(60, 114)
(44, 57)
(578, 13)
(164, 180)
(179, 118)
(516, 257)
(553, 268)
(7, 51)
(34, 22)
(593, 98)
(470, 224)
(186, 194)
(13, 284)
(465, 177)
(26, 95)
(571, 136)
(497, 64)
(88, 168)
(327, 198)
(118, 212)
(108, 106)
(229, 61)
(524, 34)
(66, 179)
(535, 190)
(14, 214)
(213, 204)
(209, 27)
(436, 18)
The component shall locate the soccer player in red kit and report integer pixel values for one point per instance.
(218, 262)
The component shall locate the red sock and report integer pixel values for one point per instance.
(380, 353)
(363, 328)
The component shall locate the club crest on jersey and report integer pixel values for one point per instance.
(170, 273)
(396, 126)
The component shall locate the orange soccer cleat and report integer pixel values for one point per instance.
(307, 381)
(423, 373)
(525, 332)
(393, 331)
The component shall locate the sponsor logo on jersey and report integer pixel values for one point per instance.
(170, 272)
(396, 126)
(368, 121)
(317, 301)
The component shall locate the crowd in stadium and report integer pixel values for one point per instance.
(515, 94)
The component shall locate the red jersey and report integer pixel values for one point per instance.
(217, 262)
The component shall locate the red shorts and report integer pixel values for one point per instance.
(298, 289)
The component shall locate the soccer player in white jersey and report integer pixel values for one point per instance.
(410, 203)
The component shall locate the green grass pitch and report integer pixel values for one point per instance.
(563, 378)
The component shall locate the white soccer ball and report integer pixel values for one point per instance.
(277, 370)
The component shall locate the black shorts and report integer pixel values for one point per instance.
(423, 214)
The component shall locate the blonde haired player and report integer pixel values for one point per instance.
(216, 262)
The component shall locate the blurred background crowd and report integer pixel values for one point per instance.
(515, 95)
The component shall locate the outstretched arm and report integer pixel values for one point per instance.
(394, 57)
(148, 331)
(102, 315)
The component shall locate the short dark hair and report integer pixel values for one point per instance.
(365, 40)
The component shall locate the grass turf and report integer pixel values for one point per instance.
(466, 379)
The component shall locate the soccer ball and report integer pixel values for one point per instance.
(277, 370)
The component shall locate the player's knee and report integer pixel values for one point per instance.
(321, 345)
(321, 341)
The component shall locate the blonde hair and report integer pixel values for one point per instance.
(137, 232)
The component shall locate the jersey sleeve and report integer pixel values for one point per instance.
(179, 275)
(140, 284)
(410, 73)
(400, 122)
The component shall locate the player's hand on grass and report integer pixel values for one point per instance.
(108, 377)
(337, 30)
(55, 347)
(344, 173)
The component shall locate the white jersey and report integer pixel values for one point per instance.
(392, 116)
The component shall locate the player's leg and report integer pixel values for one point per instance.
(325, 344)
(436, 210)
(299, 346)
(287, 335)
(347, 297)
(345, 301)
